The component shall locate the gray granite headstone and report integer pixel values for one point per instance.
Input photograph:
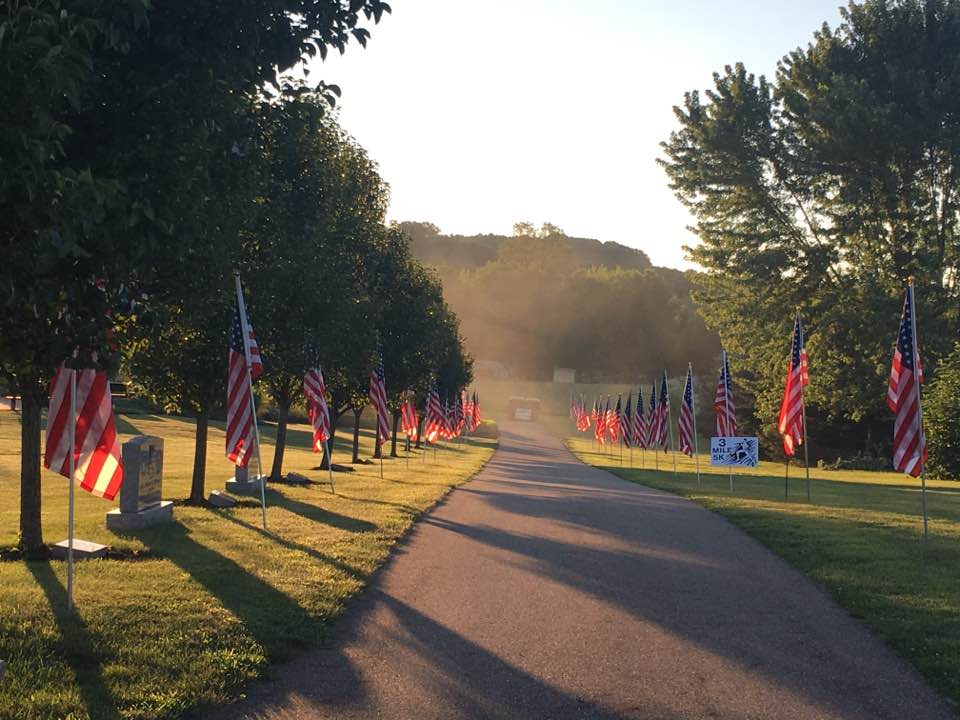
(142, 474)
(141, 492)
(242, 484)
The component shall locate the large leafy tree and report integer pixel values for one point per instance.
(826, 190)
(319, 225)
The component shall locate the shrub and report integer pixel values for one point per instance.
(941, 413)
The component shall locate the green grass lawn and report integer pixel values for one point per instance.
(212, 600)
(860, 540)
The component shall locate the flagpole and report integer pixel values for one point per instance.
(73, 468)
(693, 409)
(379, 445)
(245, 331)
(673, 447)
(726, 402)
(803, 410)
(786, 477)
(326, 449)
(916, 385)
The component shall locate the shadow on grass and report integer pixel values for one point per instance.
(320, 515)
(292, 545)
(275, 620)
(79, 647)
(124, 426)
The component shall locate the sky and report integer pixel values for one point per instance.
(485, 113)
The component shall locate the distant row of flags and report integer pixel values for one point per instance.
(443, 421)
(623, 424)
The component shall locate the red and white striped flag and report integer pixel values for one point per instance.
(409, 422)
(476, 410)
(790, 421)
(98, 467)
(685, 419)
(433, 423)
(723, 402)
(663, 414)
(600, 430)
(903, 395)
(244, 355)
(615, 429)
(653, 417)
(639, 423)
(317, 410)
(447, 432)
(378, 398)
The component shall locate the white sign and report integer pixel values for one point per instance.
(523, 414)
(734, 451)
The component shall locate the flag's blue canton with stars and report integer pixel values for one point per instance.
(797, 345)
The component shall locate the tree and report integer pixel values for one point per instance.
(941, 409)
(827, 189)
(321, 217)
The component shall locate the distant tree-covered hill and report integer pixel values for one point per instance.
(474, 251)
(540, 299)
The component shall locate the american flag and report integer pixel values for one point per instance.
(663, 413)
(98, 467)
(447, 433)
(459, 415)
(583, 417)
(626, 428)
(685, 421)
(609, 418)
(244, 354)
(316, 393)
(595, 412)
(615, 430)
(652, 431)
(790, 422)
(600, 431)
(409, 422)
(903, 395)
(476, 410)
(433, 423)
(468, 413)
(723, 402)
(378, 398)
(639, 423)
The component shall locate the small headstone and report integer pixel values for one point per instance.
(82, 550)
(140, 503)
(220, 499)
(3, 667)
(297, 479)
(242, 484)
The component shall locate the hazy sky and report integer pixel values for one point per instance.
(487, 112)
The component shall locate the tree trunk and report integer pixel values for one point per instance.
(31, 531)
(334, 417)
(393, 439)
(283, 415)
(420, 431)
(356, 435)
(377, 444)
(197, 491)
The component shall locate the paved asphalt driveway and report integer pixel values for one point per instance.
(547, 589)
